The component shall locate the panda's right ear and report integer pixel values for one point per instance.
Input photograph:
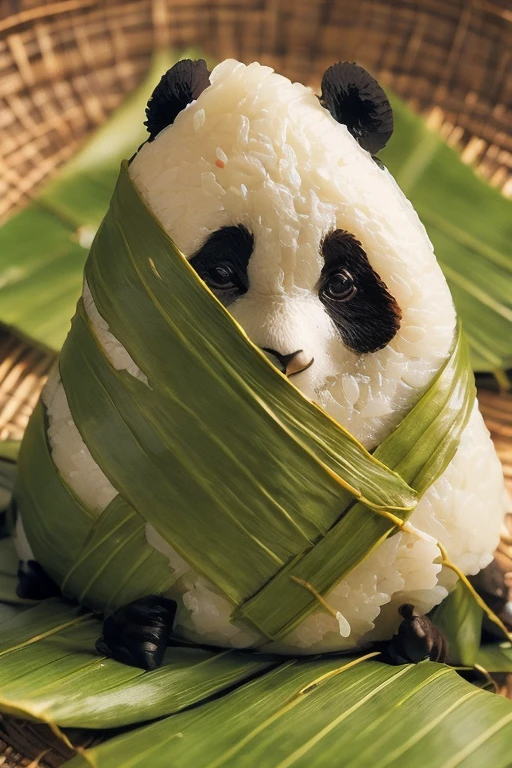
(180, 85)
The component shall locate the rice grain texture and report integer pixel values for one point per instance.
(258, 150)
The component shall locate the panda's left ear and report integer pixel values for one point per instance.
(180, 85)
(354, 98)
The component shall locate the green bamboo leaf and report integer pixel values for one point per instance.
(419, 449)
(61, 543)
(7, 478)
(9, 578)
(9, 450)
(8, 472)
(459, 618)
(153, 433)
(326, 713)
(134, 566)
(495, 657)
(470, 225)
(51, 672)
(152, 284)
(43, 248)
(8, 453)
(88, 567)
(8, 611)
(242, 520)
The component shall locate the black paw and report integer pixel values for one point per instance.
(417, 639)
(138, 633)
(34, 583)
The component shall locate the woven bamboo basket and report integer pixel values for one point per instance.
(65, 65)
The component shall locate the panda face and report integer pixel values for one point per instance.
(306, 240)
(365, 314)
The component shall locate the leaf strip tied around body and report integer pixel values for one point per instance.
(249, 481)
(76, 544)
(177, 448)
(420, 448)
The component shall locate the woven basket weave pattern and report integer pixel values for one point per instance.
(66, 65)
(23, 370)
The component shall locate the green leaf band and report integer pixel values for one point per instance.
(249, 481)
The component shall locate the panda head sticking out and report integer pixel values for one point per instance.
(275, 197)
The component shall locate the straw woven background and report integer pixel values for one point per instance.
(66, 64)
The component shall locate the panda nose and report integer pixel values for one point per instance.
(293, 363)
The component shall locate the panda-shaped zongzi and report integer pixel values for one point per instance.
(277, 199)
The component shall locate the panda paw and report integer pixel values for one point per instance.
(34, 583)
(138, 633)
(417, 639)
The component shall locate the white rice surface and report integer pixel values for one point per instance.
(69, 452)
(291, 174)
(115, 352)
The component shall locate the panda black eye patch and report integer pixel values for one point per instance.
(358, 301)
(222, 261)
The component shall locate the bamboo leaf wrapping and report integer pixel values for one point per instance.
(104, 559)
(249, 481)
(420, 448)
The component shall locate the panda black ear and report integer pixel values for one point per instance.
(354, 98)
(180, 85)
